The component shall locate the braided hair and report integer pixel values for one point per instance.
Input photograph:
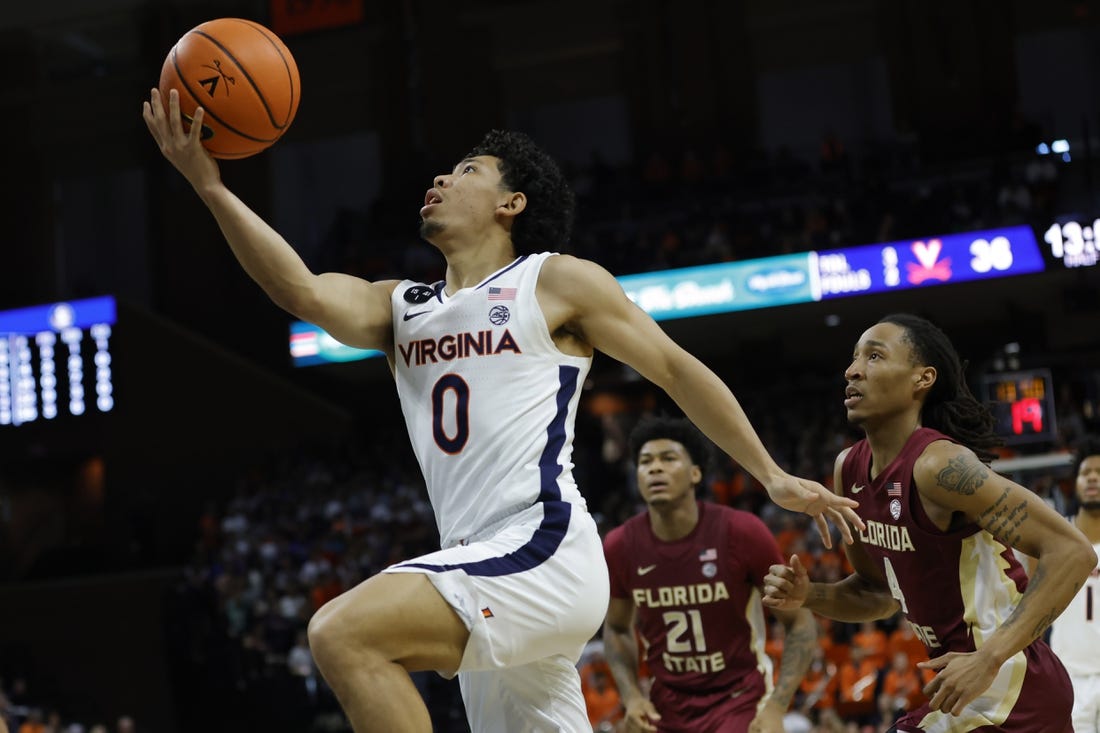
(949, 407)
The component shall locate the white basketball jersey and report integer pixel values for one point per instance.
(489, 400)
(1075, 636)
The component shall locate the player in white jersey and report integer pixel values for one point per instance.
(1075, 636)
(488, 365)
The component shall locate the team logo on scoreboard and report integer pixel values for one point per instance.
(931, 267)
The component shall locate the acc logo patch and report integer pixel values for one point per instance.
(895, 508)
(419, 294)
(499, 315)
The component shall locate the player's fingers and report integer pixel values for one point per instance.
(823, 531)
(175, 124)
(842, 525)
(938, 663)
(958, 703)
(851, 517)
(196, 125)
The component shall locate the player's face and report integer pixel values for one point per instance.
(1088, 483)
(666, 474)
(882, 378)
(467, 198)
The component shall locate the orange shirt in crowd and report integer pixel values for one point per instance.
(903, 683)
(856, 692)
(820, 683)
(872, 640)
(902, 639)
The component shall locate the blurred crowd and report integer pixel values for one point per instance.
(692, 204)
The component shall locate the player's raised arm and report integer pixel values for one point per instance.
(585, 299)
(352, 310)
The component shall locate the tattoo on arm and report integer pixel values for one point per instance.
(1043, 623)
(962, 476)
(1004, 521)
(797, 651)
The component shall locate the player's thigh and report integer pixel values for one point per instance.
(540, 697)
(402, 617)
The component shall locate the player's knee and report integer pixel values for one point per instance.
(328, 639)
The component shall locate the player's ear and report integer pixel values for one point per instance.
(513, 203)
(696, 475)
(925, 378)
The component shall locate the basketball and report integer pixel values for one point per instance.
(245, 79)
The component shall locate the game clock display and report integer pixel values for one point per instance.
(55, 360)
(1022, 404)
(1073, 243)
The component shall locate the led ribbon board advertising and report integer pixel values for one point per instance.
(775, 281)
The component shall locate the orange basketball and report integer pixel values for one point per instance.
(245, 79)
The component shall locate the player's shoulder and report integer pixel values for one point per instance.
(563, 271)
(736, 518)
(616, 537)
(941, 452)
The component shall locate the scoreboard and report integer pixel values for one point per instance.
(55, 360)
(1023, 404)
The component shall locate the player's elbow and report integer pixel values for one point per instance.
(1084, 558)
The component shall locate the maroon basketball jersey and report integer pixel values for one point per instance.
(956, 588)
(698, 607)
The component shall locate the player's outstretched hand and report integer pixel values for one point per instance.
(786, 586)
(640, 716)
(183, 149)
(810, 497)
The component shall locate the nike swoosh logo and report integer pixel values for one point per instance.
(856, 489)
(646, 569)
(408, 316)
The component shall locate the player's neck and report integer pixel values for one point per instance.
(470, 262)
(1088, 521)
(674, 522)
(887, 439)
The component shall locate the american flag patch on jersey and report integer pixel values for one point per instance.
(502, 293)
(708, 555)
(894, 489)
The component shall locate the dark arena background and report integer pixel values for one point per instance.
(186, 474)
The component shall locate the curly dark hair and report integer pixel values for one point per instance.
(670, 428)
(1087, 445)
(950, 406)
(547, 222)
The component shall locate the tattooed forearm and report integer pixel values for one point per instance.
(1043, 623)
(798, 648)
(962, 476)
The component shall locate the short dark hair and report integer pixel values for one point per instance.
(950, 407)
(669, 428)
(547, 222)
(1088, 445)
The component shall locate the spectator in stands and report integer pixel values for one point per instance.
(901, 689)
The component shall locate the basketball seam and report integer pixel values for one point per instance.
(251, 81)
(213, 116)
(276, 42)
